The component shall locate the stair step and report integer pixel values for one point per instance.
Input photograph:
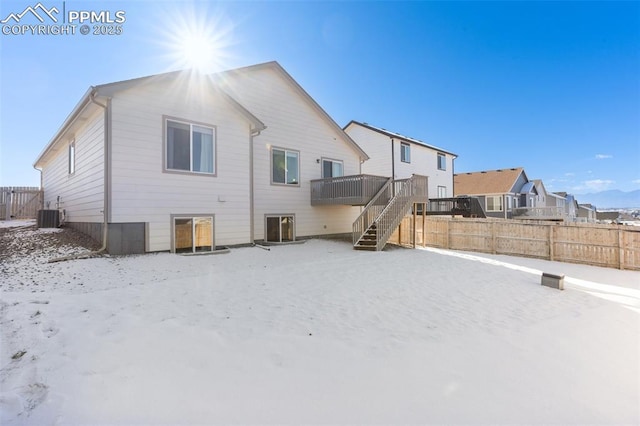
(365, 248)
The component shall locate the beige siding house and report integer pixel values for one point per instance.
(187, 162)
(394, 155)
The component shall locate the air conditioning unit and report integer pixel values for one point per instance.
(48, 219)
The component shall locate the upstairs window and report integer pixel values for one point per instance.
(442, 162)
(285, 167)
(190, 147)
(72, 157)
(332, 168)
(405, 152)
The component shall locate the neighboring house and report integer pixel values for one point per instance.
(500, 192)
(187, 162)
(570, 206)
(394, 155)
(609, 217)
(547, 204)
(586, 213)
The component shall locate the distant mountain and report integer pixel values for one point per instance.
(612, 199)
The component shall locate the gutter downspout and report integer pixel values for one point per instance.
(254, 133)
(105, 211)
(393, 167)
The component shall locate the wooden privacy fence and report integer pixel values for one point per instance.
(20, 202)
(612, 246)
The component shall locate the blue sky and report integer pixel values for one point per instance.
(550, 86)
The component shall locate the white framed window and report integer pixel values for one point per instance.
(494, 203)
(508, 203)
(405, 152)
(442, 191)
(72, 157)
(285, 167)
(192, 234)
(332, 168)
(279, 228)
(442, 162)
(190, 147)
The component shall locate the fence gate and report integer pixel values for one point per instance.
(20, 202)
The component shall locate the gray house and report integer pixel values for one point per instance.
(500, 191)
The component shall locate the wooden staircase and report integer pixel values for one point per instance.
(369, 240)
(382, 215)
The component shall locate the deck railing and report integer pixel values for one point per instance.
(456, 206)
(388, 207)
(538, 213)
(354, 190)
(372, 210)
(408, 191)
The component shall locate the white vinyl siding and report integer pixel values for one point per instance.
(81, 194)
(142, 191)
(292, 124)
(424, 159)
(378, 148)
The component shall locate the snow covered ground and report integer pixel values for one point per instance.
(316, 333)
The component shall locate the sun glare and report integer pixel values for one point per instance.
(196, 39)
(197, 52)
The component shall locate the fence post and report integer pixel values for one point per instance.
(447, 234)
(620, 249)
(7, 215)
(493, 238)
(552, 229)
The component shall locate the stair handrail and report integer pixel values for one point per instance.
(368, 215)
(393, 213)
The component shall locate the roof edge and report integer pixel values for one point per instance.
(399, 136)
(84, 101)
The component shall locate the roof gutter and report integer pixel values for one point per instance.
(105, 225)
(84, 102)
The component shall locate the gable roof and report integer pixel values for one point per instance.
(87, 102)
(274, 65)
(499, 181)
(398, 136)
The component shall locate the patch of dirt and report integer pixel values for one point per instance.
(26, 250)
(29, 240)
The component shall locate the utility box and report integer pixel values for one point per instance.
(553, 281)
(48, 219)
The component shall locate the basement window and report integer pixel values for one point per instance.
(279, 229)
(193, 234)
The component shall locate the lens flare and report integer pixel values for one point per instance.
(196, 37)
